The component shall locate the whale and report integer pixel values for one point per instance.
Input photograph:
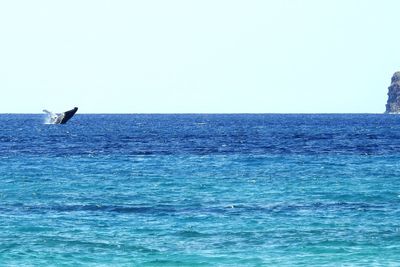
(60, 118)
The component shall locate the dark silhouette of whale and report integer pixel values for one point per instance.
(61, 118)
(68, 115)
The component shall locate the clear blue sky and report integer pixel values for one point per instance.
(212, 56)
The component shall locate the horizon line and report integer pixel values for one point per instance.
(202, 113)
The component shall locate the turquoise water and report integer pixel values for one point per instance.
(200, 190)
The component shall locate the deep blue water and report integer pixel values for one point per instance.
(200, 190)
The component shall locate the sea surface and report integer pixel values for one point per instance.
(200, 190)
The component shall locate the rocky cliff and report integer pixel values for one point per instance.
(393, 102)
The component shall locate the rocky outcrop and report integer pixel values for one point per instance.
(393, 102)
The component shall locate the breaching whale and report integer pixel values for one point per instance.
(60, 118)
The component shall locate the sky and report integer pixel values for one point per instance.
(208, 56)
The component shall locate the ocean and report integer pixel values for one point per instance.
(200, 190)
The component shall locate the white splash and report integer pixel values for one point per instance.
(52, 118)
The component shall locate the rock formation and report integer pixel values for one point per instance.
(393, 102)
